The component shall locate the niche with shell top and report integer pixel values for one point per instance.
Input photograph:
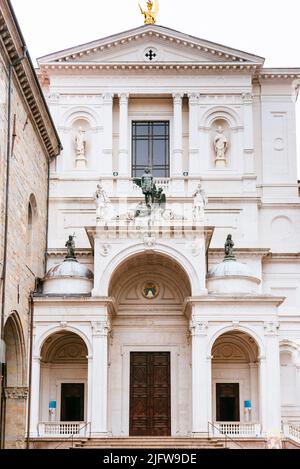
(220, 143)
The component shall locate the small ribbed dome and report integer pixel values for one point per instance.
(231, 276)
(68, 278)
(70, 268)
(230, 268)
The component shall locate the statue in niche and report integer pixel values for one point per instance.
(102, 201)
(200, 202)
(221, 146)
(70, 245)
(80, 144)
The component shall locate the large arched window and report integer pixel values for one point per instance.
(31, 229)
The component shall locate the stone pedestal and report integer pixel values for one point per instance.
(220, 163)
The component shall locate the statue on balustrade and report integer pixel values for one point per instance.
(154, 197)
(229, 248)
(70, 245)
(200, 202)
(102, 201)
(146, 182)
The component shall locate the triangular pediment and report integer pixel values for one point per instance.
(151, 43)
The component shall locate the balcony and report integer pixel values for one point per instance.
(292, 431)
(237, 429)
(164, 183)
(63, 429)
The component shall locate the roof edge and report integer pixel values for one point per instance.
(14, 46)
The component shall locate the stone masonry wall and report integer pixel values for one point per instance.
(28, 175)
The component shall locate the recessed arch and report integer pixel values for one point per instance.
(247, 330)
(64, 378)
(15, 351)
(138, 249)
(235, 377)
(43, 338)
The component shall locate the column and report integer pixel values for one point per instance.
(107, 152)
(297, 384)
(201, 378)
(123, 135)
(248, 133)
(35, 396)
(253, 369)
(177, 166)
(194, 163)
(99, 369)
(270, 382)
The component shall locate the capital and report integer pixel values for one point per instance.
(247, 98)
(177, 98)
(123, 98)
(108, 98)
(193, 98)
(101, 329)
(271, 328)
(198, 328)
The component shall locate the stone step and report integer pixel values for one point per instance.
(151, 443)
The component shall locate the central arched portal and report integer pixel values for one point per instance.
(149, 353)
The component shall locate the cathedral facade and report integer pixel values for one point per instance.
(146, 327)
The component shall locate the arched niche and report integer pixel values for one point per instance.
(222, 128)
(64, 376)
(131, 279)
(15, 385)
(235, 378)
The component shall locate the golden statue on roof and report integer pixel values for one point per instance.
(151, 13)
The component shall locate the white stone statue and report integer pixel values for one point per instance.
(102, 201)
(200, 202)
(80, 146)
(221, 146)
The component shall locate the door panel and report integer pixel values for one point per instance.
(228, 402)
(150, 409)
(72, 402)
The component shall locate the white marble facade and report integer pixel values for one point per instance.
(230, 333)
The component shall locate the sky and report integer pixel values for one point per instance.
(268, 28)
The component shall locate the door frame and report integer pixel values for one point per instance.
(174, 351)
(58, 395)
(237, 402)
(241, 382)
(166, 360)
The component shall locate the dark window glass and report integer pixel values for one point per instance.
(150, 147)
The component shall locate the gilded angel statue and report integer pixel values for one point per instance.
(151, 13)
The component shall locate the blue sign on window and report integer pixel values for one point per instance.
(247, 404)
(52, 405)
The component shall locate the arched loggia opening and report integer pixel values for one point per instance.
(15, 392)
(63, 384)
(235, 383)
(149, 352)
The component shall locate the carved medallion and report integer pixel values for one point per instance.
(150, 290)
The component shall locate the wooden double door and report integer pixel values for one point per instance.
(150, 394)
